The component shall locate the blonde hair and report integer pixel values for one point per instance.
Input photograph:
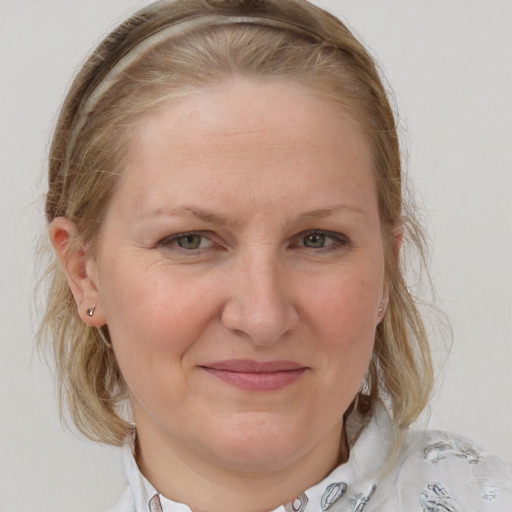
(167, 50)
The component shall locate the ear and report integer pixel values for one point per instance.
(79, 268)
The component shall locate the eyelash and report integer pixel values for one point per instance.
(171, 241)
(338, 241)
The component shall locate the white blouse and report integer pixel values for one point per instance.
(434, 472)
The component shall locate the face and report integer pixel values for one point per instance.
(240, 272)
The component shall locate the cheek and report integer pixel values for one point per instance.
(155, 318)
(346, 300)
(342, 314)
(154, 315)
(348, 344)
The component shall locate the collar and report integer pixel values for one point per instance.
(351, 484)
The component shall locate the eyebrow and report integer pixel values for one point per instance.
(214, 218)
(185, 211)
(327, 212)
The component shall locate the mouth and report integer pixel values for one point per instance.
(251, 375)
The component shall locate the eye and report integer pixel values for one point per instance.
(321, 240)
(187, 241)
(315, 240)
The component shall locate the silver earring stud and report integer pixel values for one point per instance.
(90, 311)
(381, 307)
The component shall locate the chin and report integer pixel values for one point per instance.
(261, 444)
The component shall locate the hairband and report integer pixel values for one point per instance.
(104, 82)
(175, 30)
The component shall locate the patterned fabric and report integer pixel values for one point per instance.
(434, 472)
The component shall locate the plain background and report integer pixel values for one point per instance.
(450, 65)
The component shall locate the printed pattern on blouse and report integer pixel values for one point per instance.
(298, 504)
(435, 498)
(155, 504)
(359, 502)
(442, 450)
(332, 494)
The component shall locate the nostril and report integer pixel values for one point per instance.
(264, 326)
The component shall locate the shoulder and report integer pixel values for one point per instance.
(450, 472)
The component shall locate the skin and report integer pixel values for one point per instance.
(283, 261)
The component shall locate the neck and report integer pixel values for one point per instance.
(207, 485)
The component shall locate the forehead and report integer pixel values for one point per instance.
(276, 137)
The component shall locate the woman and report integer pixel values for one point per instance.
(225, 204)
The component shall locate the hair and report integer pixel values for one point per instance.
(168, 50)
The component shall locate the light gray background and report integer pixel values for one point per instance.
(450, 65)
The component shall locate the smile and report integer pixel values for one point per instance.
(256, 376)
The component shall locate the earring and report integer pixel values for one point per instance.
(381, 307)
(90, 311)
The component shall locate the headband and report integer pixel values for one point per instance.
(177, 29)
(103, 82)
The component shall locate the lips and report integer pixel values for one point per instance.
(251, 375)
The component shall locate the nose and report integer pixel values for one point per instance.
(260, 304)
